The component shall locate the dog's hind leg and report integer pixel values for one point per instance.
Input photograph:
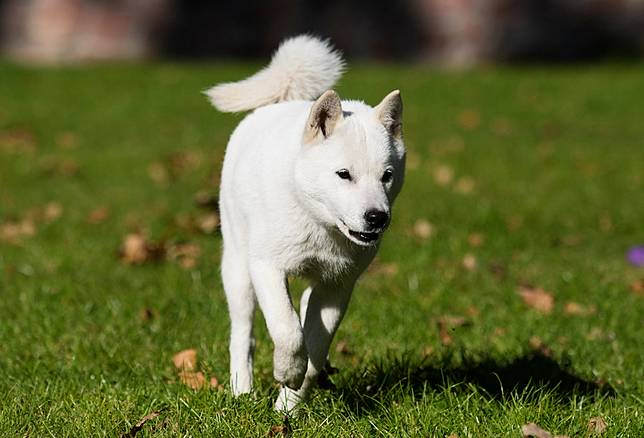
(241, 307)
(324, 306)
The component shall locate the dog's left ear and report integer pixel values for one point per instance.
(389, 112)
(325, 113)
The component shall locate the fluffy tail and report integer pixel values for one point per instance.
(302, 68)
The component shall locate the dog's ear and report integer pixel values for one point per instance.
(390, 111)
(326, 112)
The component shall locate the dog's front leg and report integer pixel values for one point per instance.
(325, 306)
(289, 356)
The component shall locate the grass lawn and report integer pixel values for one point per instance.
(519, 180)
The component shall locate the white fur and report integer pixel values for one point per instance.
(285, 211)
(302, 68)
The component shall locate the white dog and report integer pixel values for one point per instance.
(306, 189)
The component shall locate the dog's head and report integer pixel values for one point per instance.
(351, 165)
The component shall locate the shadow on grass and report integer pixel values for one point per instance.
(528, 377)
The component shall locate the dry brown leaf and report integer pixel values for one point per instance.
(14, 232)
(597, 426)
(343, 348)
(138, 426)
(65, 167)
(136, 249)
(443, 175)
(52, 211)
(387, 269)
(469, 262)
(67, 140)
(637, 287)
(446, 324)
(147, 314)
(476, 239)
(280, 429)
(208, 223)
(538, 345)
(207, 199)
(472, 310)
(423, 229)
(537, 299)
(158, 173)
(98, 215)
(532, 430)
(595, 333)
(465, 185)
(573, 308)
(17, 141)
(192, 379)
(469, 119)
(185, 360)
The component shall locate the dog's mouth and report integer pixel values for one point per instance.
(363, 238)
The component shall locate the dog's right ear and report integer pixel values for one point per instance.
(325, 113)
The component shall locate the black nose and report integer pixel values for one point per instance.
(376, 218)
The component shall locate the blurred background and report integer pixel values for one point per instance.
(443, 32)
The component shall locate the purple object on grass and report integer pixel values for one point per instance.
(636, 256)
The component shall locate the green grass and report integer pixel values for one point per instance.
(547, 166)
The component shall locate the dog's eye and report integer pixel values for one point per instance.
(387, 176)
(344, 174)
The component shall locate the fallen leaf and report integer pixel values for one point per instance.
(465, 185)
(186, 254)
(56, 166)
(192, 379)
(207, 199)
(538, 345)
(595, 333)
(136, 250)
(472, 310)
(443, 175)
(597, 426)
(17, 141)
(185, 360)
(342, 347)
(573, 308)
(605, 223)
(98, 215)
(387, 269)
(532, 430)
(67, 140)
(476, 239)
(637, 287)
(422, 229)
(138, 426)
(214, 383)
(447, 324)
(208, 222)
(537, 299)
(158, 173)
(469, 119)
(147, 314)
(52, 211)
(469, 262)
(280, 429)
(14, 232)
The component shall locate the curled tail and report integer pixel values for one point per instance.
(302, 68)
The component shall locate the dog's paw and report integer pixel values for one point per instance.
(289, 365)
